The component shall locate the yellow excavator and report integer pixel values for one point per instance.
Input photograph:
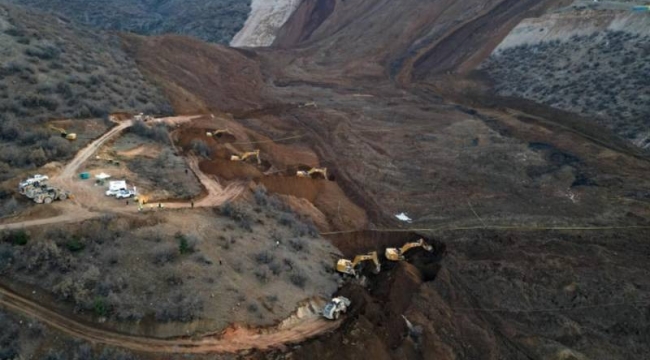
(312, 172)
(246, 155)
(64, 134)
(394, 254)
(350, 267)
(218, 133)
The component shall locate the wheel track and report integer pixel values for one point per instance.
(230, 341)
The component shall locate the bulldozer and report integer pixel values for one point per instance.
(335, 307)
(350, 267)
(394, 254)
(246, 155)
(219, 133)
(64, 133)
(312, 172)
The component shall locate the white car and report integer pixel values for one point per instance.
(114, 192)
(125, 194)
(38, 178)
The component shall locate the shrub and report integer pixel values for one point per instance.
(298, 280)
(264, 257)
(75, 244)
(201, 148)
(186, 243)
(18, 237)
(100, 306)
(297, 245)
(164, 254)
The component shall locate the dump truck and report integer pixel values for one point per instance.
(335, 307)
(351, 267)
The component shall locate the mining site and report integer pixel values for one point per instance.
(324, 179)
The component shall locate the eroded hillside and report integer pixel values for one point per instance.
(537, 217)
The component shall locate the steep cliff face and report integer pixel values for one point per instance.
(264, 21)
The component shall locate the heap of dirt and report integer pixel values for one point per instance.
(191, 63)
(326, 195)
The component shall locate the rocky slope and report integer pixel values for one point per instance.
(263, 23)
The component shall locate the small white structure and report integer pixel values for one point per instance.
(404, 217)
(117, 185)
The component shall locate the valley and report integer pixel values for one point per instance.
(474, 119)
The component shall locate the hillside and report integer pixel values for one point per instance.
(515, 189)
(52, 69)
(599, 69)
(537, 212)
(214, 21)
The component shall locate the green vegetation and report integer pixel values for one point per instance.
(214, 21)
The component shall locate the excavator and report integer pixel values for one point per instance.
(64, 134)
(246, 155)
(394, 254)
(312, 172)
(350, 267)
(218, 133)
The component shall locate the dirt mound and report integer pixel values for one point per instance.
(230, 170)
(326, 195)
(199, 85)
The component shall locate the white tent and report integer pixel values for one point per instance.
(102, 176)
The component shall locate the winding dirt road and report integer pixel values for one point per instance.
(215, 193)
(231, 341)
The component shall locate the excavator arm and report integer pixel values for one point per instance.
(394, 254)
(350, 267)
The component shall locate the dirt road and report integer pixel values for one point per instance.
(84, 154)
(231, 341)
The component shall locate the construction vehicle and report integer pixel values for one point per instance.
(49, 194)
(247, 155)
(43, 193)
(350, 267)
(312, 172)
(219, 133)
(335, 307)
(394, 254)
(64, 133)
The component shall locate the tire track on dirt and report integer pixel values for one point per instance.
(232, 340)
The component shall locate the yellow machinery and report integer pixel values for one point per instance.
(312, 172)
(350, 267)
(218, 133)
(394, 254)
(64, 134)
(247, 155)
